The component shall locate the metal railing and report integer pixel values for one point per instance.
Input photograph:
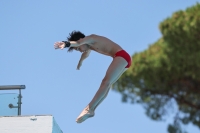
(15, 87)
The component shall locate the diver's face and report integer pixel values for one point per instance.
(82, 48)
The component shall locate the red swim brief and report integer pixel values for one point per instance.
(125, 55)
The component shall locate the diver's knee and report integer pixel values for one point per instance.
(106, 82)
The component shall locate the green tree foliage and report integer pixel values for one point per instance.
(168, 72)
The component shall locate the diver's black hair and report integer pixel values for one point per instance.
(74, 36)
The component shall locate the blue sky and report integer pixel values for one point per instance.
(28, 30)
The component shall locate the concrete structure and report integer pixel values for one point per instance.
(29, 124)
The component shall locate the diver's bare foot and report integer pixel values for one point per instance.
(85, 114)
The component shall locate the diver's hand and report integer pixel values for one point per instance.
(59, 45)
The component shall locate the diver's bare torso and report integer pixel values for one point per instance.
(104, 46)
